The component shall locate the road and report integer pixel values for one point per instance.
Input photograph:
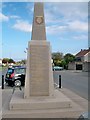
(75, 81)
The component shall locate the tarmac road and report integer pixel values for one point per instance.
(75, 81)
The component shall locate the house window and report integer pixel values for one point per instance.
(78, 59)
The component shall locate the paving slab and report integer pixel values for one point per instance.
(76, 98)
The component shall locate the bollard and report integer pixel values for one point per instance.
(2, 81)
(59, 81)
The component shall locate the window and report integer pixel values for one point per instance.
(20, 71)
(10, 70)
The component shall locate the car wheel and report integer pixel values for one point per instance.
(17, 83)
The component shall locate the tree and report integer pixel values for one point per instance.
(5, 60)
(11, 61)
(69, 58)
(60, 60)
(57, 57)
(63, 63)
(23, 61)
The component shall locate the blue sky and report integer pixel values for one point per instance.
(66, 27)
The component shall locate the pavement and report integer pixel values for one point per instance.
(79, 101)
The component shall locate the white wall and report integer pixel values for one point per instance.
(72, 66)
(87, 57)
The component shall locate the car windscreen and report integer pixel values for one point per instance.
(20, 71)
(10, 71)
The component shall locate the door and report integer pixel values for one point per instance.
(79, 67)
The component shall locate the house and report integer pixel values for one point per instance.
(82, 61)
(83, 55)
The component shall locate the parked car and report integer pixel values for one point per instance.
(15, 66)
(57, 68)
(15, 76)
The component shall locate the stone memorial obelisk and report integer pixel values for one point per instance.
(39, 77)
(40, 99)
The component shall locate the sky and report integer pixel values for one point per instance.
(66, 27)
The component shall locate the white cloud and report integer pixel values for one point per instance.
(81, 37)
(65, 12)
(67, 19)
(55, 29)
(15, 16)
(6, 18)
(3, 17)
(75, 26)
(78, 25)
(49, 17)
(23, 26)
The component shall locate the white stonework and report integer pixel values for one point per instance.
(39, 76)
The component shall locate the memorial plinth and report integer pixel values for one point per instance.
(39, 76)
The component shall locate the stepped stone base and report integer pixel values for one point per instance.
(58, 106)
(57, 101)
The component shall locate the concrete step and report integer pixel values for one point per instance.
(59, 100)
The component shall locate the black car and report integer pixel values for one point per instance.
(15, 76)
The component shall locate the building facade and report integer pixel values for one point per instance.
(82, 61)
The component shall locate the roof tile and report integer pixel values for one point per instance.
(82, 53)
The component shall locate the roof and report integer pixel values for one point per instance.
(16, 67)
(20, 67)
(82, 52)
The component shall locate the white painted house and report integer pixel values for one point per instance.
(87, 57)
(82, 61)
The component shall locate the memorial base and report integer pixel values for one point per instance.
(36, 103)
(58, 106)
